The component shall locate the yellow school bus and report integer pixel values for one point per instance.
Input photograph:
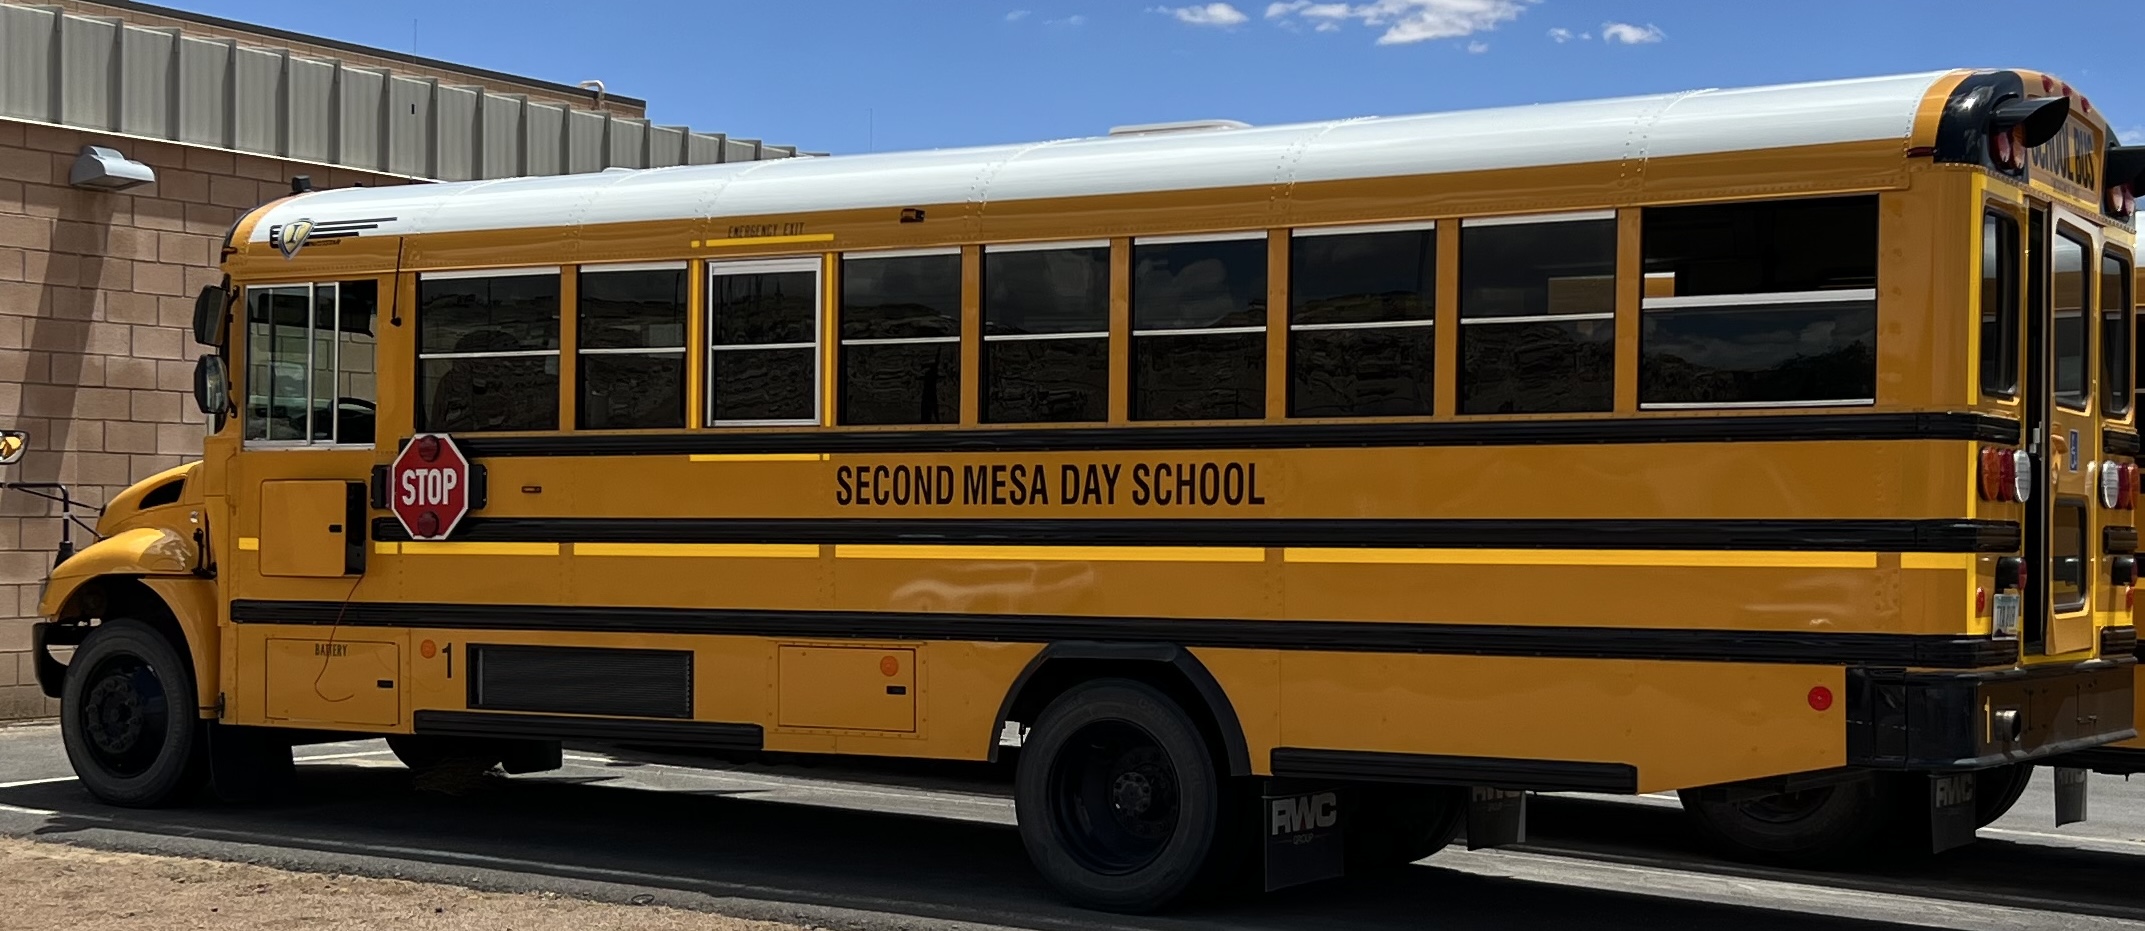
(1267, 499)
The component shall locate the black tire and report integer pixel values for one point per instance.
(1118, 798)
(1391, 826)
(128, 719)
(425, 751)
(1996, 790)
(421, 752)
(1821, 828)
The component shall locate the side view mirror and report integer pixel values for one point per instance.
(13, 443)
(212, 385)
(211, 315)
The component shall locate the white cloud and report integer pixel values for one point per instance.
(1628, 34)
(1561, 35)
(1477, 47)
(1206, 14)
(1073, 20)
(1405, 21)
(1016, 16)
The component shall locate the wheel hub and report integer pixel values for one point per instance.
(114, 713)
(1132, 794)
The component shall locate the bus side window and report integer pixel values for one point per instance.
(1046, 333)
(488, 351)
(1538, 314)
(310, 363)
(901, 339)
(1759, 304)
(1999, 305)
(1199, 327)
(630, 369)
(1360, 311)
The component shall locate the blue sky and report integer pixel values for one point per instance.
(856, 75)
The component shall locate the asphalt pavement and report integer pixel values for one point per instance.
(926, 850)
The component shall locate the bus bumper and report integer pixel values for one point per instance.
(1936, 722)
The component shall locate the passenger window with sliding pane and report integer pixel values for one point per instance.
(2115, 310)
(630, 327)
(2073, 327)
(310, 363)
(1360, 308)
(1538, 314)
(1199, 328)
(1046, 333)
(1767, 304)
(488, 351)
(763, 343)
(901, 338)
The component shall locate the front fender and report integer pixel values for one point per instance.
(138, 552)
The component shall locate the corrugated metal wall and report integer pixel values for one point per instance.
(102, 74)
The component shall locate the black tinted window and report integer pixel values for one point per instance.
(631, 327)
(1999, 305)
(1046, 339)
(1768, 302)
(1198, 330)
(1360, 306)
(488, 353)
(1537, 314)
(2073, 326)
(901, 339)
(2115, 311)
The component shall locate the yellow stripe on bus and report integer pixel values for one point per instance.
(1960, 561)
(760, 457)
(1672, 558)
(761, 240)
(249, 543)
(1054, 553)
(740, 550)
(453, 548)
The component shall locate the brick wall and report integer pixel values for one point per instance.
(96, 357)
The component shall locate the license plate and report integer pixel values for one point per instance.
(2008, 609)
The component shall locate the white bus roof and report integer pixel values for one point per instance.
(1631, 128)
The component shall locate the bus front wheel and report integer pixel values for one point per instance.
(1118, 798)
(1816, 827)
(127, 717)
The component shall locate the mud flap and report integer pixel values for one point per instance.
(1302, 826)
(51, 673)
(248, 764)
(2071, 785)
(1952, 811)
(1495, 817)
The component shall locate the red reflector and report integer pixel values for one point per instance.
(1981, 602)
(428, 448)
(2006, 477)
(1820, 698)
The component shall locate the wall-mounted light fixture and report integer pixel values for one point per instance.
(102, 169)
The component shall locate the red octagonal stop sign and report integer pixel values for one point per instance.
(428, 486)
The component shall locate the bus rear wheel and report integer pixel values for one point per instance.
(127, 717)
(1820, 827)
(1118, 798)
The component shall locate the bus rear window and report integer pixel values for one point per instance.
(1999, 306)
